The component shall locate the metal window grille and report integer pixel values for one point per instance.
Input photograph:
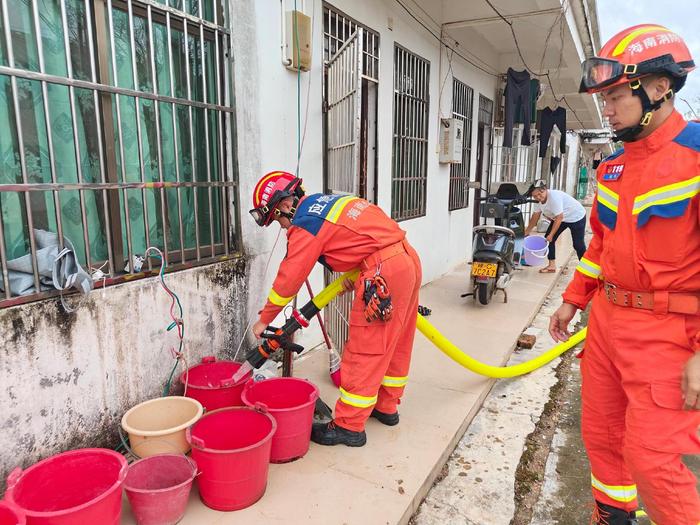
(410, 148)
(462, 104)
(485, 110)
(119, 118)
(338, 28)
(516, 164)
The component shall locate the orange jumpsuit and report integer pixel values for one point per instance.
(344, 233)
(646, 238)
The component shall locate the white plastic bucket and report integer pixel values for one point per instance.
(535, 250)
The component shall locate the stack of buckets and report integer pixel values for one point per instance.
(246, 426)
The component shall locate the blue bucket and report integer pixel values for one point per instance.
(536, 249)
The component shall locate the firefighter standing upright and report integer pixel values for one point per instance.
(344, 233)
(640, 367)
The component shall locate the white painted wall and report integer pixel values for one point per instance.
(442, 238)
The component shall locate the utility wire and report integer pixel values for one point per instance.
(529, 69)
(439, 39)
(690, 107)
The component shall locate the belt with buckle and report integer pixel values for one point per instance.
(659, 301)
(382, 255)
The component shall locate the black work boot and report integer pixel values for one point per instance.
(387, 419)
(332, 434)
(609, 515)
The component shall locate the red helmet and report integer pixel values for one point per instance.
(636, 52)
(270, 191)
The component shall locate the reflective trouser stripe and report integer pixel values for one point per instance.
(394, 381)
(277, 299)
(622, 493)
(355, 400)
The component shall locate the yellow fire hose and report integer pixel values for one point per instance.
(452, 351)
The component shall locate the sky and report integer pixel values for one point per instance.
(680, 16)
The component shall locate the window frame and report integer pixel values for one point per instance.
(217, 116)
(460, 173)
(415, 146)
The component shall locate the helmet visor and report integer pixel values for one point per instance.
(600, 72)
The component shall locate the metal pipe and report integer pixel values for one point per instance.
(20, 141)
(47, 119)
(221, 170)
(137, 104)
(156, 104)
(205, 97)
(85, 84)
(50, 186)
(175, 142)
(100, 146)
(192, 155)
(79, 168)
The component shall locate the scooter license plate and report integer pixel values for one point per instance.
(480, 269)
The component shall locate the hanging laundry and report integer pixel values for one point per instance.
(517, 95)
(535, 94)
(554, 164)
(548, 119)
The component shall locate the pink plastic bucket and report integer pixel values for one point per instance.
(211, 383)
(80, 486)
(10, 514)
(158, 488)
(291, 402)
(232, 449)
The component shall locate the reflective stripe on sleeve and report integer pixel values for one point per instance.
(588, 268)
(277, 299)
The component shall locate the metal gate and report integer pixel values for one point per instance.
(343, 99)
(343, 122)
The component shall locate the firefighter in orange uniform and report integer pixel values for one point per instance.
(640, 366)
(344, 233)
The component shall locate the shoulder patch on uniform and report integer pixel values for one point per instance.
(690, 136)
(614, 155)
(302, 219)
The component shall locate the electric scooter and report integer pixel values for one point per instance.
(494, 254)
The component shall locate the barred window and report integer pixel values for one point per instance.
(410, 149)
(117, 115)
(462, 104)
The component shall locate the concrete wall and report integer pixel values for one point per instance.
(66, 379)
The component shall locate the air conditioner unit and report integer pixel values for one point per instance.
(451, 140)
(297, 48)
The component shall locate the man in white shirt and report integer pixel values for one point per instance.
(563, 211)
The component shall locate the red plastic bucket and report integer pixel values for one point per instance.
(232, 449)
(291, 402)
(80, 486)
(10, 514)
(158, 488)
(211, 383)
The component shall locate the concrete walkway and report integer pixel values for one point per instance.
(385, 481)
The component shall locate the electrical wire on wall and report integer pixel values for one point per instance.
(177, 323)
